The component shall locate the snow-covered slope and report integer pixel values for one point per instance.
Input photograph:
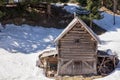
(19, 50)
(110, 40)
(27, 39)
(107, 22)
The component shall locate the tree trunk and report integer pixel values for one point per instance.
(48, 10)
(90, 21)
(103, 2)
(114, 10)
(115, 5)
(91, 24)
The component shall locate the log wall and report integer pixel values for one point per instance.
(77, 43)
(77, 52)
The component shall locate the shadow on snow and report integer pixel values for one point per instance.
(107, 22)
(27, 39)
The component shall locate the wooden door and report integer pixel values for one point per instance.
(78, 67)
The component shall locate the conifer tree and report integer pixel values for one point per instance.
(93, 6)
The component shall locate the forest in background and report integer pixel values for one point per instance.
(29, 12)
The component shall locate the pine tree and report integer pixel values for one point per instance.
(93, 6)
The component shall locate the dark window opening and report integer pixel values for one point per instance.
(77, 62)
(53, 66)
(77, 41)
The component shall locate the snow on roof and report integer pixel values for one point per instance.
(73, 22)
(48, 52)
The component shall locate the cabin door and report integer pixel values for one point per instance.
(77, 67)
(84, 67)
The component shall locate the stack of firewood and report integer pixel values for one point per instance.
(106, 64)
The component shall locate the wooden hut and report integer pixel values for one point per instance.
(77, 49)
(48, 61)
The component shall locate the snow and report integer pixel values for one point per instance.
(21, 45)
(19, 50)
(27, 39)
(75, 8)
(110, 40)
(71, 8)
(107, 22)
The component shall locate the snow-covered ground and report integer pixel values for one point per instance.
(19, 50)
(110, 40)
(72, 8)
(21, 45)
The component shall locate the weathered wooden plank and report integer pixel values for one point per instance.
(76, 46)
(73, 38)
(81, 29)
(80, 32)
(73, 41)
(80, 56)
(79, 37)
(76, 56)
(76, 52)
(81, 40)
(76, 34)
(78, 59)
(66, 64)
(87, 64)
(87, 39)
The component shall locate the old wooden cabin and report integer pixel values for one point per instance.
(77, 49)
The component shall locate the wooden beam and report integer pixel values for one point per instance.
(87, 64)
(66, 64)
(78, 59)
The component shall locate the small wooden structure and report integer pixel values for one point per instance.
(48, 61)
(77, 54)
(106, 62)
(77, 49)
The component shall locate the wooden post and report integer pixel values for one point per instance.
(114, 10)
(48, 10)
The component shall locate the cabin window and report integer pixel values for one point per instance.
(77, 41)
